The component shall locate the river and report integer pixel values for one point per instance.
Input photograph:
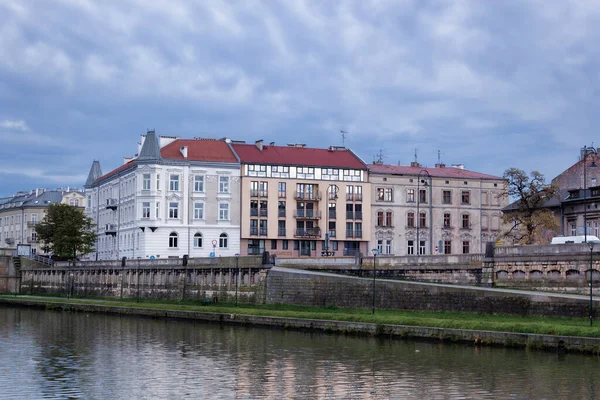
(60, 355)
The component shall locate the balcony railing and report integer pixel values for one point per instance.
(281, 212)
(314, 196)
(263, 212)
(253, 231)
(253, 193)
(263, 232)
(31, 223)
(349, 214)
(32, 240)
(357, 234)
(349, 233)
(331, 214)
(353, 196)
(264, 193)
(310, 232)
(307, 214)
(332, 233)
(9, 241)
(110, 229)
(282, 195)
(254, 212)
(112, 204)
(357, 214)
(281, 232)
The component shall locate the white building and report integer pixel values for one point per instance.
(176, 197)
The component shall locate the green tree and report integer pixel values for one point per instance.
(529, 218)
(66, 231)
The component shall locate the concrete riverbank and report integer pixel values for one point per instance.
(475, 337)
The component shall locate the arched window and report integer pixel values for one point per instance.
(173, 240)
(223, 240)
(198, 240)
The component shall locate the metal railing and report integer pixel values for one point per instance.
(310, 232)
(315, 196)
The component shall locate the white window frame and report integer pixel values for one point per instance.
(146, 182)
(199, 183)
(223, 241)
(198, 210)
(174, 182)
(146, 210)
(223, 211)
(173, 210)
(223, 184)
(198, 236)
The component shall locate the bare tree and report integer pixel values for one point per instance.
(529, 218)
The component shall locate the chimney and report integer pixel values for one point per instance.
(184, 151)
(300, 145)
(459, 166)
(440, 165)
(259, 144)
(414, 164)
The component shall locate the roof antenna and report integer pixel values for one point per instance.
(439, 157)
(378, 157)
(416, 156)
(344, 133)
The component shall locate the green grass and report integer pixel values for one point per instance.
(456, 320)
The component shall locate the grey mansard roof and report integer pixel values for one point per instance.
(151, 148)
(95, 173)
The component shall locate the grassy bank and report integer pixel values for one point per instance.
(436, 319)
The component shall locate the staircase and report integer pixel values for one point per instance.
(17, 263)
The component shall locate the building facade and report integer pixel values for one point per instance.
(442, 210)
(20, 214)
(175, 197)
(298, 201)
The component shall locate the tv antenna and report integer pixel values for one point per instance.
(416, 155)
(379, 157)
(344, 134)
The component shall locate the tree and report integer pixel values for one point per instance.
(66, 231)
(529, 217)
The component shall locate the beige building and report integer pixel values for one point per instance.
(298, 201)
(456, 211)
(20, 214)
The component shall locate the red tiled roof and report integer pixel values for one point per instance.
(445, 172)
(288, 155)
(199, 150)
(115, 171)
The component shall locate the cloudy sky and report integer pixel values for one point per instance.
(489, 84)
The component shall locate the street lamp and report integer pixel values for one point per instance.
(237, 266)
(331, 195)
(591, 246)
(375, 251)
(586, 151)
(425, 184)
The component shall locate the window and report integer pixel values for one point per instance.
(199, 183)
(254, 189)
(596, 228)
(410, 196)
(388, 194)
(484, 198)
(279, 171)
(281, 189)
(146, 209)
(157, 181)
(223, 184)
(281, 209)
(465, 246)
(446, 197)
(334, 246)
(573, 228)
(421, 247)
(263, 227)
(410, 219)
(379, 246)
(174, 182)
(157, 209)
(198, 210)
(357, 193)
(330, 174)
(173, 210)
(223, 240)
(447, 246)
(273, 244)
(254, 227)
(380, 218)
(484, 221)
(74, 202)
(305, 172)
(465, 197)
(422, 220)
(281, 228)
(197, 240)
(410, 247)
(388, 246)
(146, 182)
(388, 218)
(349, 193)
(173, 240)
(264, 189)
(358, 229)
(466, 223)
(422, 196)
(224, 211)
(495, 199)
(284, 244)
(447, 220)
(495, 223)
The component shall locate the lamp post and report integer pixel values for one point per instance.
(591, 246)
(586, 151)
(374, 273)
(237, 266)
(334, 198)
(423, 172)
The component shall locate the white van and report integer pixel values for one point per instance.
(574, 239)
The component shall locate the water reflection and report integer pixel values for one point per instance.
(64, 355)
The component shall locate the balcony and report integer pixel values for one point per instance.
(254, 212)
(253, 231)
(307, 214)
(281, 212)
(308, 233)
(112, 204)
(31, 224)
(9, 241)
(313, 196)
(281, 232)
(110, 229)
(263, 212)
(32, 240)
(263, 232)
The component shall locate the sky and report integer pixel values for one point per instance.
(488, 84)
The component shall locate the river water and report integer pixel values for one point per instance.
(60, 355)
